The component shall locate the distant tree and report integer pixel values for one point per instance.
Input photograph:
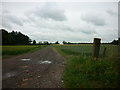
(114, 42)
(46, 42)
(51, 43)
(56, 42)
(0, 37)
(69, 43)
(34, 42)
(119, 41)
(5, 37)
(64, 42)
(40, 43)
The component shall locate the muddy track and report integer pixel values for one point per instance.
(40, 69)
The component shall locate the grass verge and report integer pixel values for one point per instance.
(83, 72)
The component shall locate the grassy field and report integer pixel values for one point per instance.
(84, 72)
(16, 50)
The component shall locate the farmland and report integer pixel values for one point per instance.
(16, 50)
(84, 72)
(81, 70)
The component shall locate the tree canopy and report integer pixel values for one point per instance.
(56, 42)
(34, 42)
(14, 38)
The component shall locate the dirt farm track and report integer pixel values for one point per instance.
(40, 69)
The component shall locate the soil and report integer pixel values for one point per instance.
(40, 69)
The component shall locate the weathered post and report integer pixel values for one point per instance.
(96, 48)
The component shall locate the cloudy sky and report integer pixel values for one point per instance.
(58, 21)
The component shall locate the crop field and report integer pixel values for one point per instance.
(15, 50)
(83, 72)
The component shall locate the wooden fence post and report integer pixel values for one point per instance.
(96, 48)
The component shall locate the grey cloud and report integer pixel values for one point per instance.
(7, 21)
(0, 18)
(94, 19)
(15, 20)
(85, 29)
(30, 18)
(7, 25)
(49, 11)
(64, 27)
(52, 25)
(111, 12)
(5, 11)
(88, 31)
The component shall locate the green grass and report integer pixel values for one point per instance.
(20, 49)
(83, 72)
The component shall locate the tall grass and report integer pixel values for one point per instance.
(84, 72)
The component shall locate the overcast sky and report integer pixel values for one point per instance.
(58, 21)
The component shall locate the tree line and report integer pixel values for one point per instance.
(114, 42)
(17, 38)
(14, 38)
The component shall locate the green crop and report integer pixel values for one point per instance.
(15, 50)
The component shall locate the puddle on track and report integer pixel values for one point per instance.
(9, 74)
(45, 62)
(25, 59)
